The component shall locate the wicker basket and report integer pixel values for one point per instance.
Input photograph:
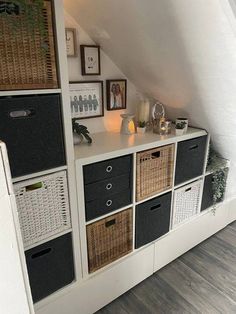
(43, 207)
(154, 171)
(109, 239)
(24, 63)
(186, 202)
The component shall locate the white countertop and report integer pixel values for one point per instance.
(113, 144)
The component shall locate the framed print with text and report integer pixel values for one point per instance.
(90, 60)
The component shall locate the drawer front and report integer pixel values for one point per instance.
(107, 169)
(31, 127)
(50, 266)
(152, 219)
(207, 197)
(106, 205)
(190, 159)
(107, 187)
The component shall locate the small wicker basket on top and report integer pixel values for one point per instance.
(27, 55)
(154, 171)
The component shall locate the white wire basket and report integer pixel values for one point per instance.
(186, 202)
(43, 207)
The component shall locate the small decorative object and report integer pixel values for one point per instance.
(71, 45)
(81, 131)
(162, 126)
(116, 94)
(143, 110)
(168, 124)
(86, 99)
(179, 128)
(158, 117)
(127, 125)
(141, 128)
(183, 120)
(90, 60)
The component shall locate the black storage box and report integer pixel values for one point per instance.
(152, 219)
(31, 127)
(207, 197)
(190, 159)
(50, 266)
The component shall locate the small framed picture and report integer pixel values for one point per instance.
(116, 94)
(71, 44)
(90, 60)
(86, 99)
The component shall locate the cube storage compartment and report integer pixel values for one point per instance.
(190, 159)
(186, 202)
(50, 266)
(43, 207)
(152, 219)
(109, 239)
(154, 171)
(25, 63)
(31, 127)
(207, 197)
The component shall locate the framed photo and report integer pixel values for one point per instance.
(71, 44)
(90, 60)
(116, 94)
(86, 99)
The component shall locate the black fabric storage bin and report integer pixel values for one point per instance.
(190, 159)
(207, 197)
(105, 205)
(107, 169)
(31, 127)
(152, 219)
(50, 266)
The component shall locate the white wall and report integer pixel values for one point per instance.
(111, 120)
(182, 52)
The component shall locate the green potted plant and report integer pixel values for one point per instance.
(179, 128)
(80, 132)
(141, 128)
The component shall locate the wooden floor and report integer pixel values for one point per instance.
(201, 281)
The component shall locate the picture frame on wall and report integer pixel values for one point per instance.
(71, 42)
(90, 60)
(116, 94)
(86, 99)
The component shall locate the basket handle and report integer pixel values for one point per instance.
(155, 207)
(156, 154)
(41, 253)
(33, 187)
(193, 147)
(110, 223)
(188, 189)
(19, 114)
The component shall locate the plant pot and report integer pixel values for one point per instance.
(179, 131)
(141, 130)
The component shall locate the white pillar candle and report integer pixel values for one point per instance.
(144, 111)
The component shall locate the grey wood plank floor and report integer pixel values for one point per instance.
(201, 281)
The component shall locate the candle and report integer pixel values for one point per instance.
(144, 111)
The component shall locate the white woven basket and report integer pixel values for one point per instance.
(186, 202)
(43, 207)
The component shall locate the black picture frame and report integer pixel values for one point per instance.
(90, 60)
(86, 99)
(116, 100)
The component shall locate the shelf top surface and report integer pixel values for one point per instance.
(113, 144)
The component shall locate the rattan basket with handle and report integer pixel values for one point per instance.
(154, 171)
(109, 239)
(27, 55)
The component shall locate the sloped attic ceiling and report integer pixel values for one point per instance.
(182, 52)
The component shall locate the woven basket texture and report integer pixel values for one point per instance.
(109, 239)
(25, 64)
(186, 202)
(43, 212)
(154, 171)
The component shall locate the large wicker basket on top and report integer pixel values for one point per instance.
(154, 171)
(109, 239)
(27, 55)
